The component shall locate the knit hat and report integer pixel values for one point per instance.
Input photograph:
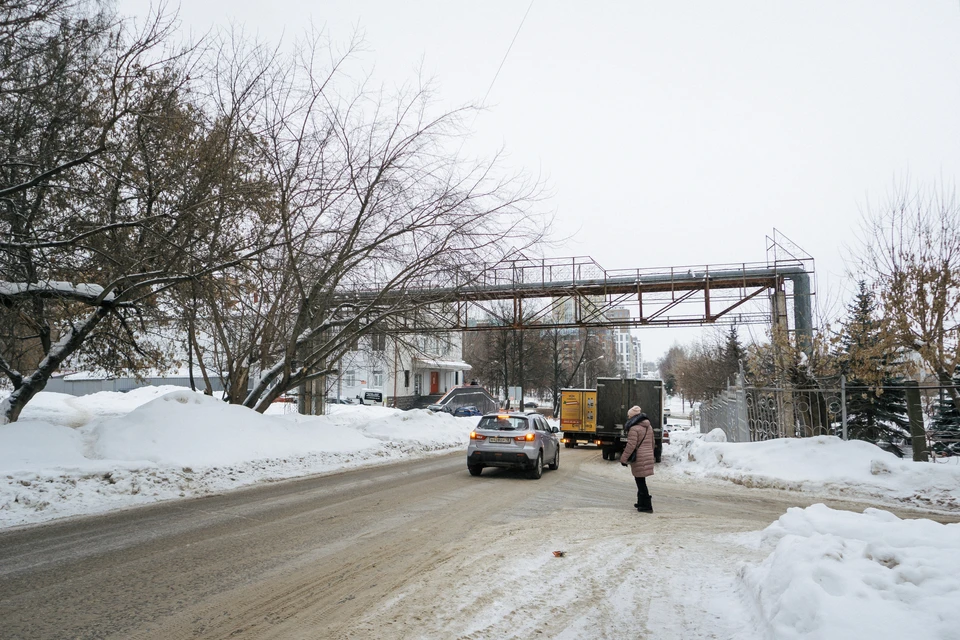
(634, 410)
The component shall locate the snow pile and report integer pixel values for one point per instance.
(184, 428)
(824, 465)
(838, 575)
(75, 455)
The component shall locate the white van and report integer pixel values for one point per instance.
(371, 397)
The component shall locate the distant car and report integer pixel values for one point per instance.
(373, 397)
(666, 412)
(465, 412)
(337, 401)
(439, 408)
(513, 440)
(530, 405)
(666, 434)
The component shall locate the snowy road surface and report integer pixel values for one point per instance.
(413, 550)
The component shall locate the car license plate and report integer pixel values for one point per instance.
(498, 440)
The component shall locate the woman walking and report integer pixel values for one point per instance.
(640, 441)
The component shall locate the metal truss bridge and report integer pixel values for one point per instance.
(576, 292)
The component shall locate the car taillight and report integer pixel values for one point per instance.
(476, 436)
(530, 437)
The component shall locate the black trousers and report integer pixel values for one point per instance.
(642, 491)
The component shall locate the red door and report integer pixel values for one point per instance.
(434, 382)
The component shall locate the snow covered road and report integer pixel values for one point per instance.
(413, 550)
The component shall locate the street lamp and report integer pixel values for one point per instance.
(585, 369)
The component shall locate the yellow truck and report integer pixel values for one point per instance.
(578, 416)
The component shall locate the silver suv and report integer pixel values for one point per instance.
(513, 440)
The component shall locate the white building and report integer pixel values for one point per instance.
(624, 344)
(408, 369)
(640, 369)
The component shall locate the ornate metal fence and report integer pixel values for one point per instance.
(747, 413)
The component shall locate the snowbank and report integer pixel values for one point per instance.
(824, 465)
(838, 575)
(76, 455)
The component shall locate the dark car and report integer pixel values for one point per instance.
(465, 412)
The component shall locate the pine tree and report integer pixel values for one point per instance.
(946, 422)
(876, 405)
(733, 353)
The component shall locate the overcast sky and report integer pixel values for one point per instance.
(676, 133)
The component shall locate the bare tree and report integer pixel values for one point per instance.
(911, 250)
(113, 189)
(379, 219)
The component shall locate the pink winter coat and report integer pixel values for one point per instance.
(643, 466)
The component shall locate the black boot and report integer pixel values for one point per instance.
(646, 505)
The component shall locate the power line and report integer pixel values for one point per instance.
(497, 74)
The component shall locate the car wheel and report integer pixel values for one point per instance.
(537, 470)
(474, 469)
(568, 445)
(553, 466)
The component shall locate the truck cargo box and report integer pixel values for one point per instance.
(578, 416)
(615, 396)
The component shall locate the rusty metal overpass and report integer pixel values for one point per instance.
(576, 292)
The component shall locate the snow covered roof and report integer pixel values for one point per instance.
(54, 287)
(443, 365)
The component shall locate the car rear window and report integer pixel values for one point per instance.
(503, 423)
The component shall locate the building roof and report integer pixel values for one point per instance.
(443, 365)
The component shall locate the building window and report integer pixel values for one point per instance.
(406, 378)
(350, 378)
(378, 379)
(378, 341)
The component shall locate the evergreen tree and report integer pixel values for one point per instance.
(670, 384)
(946, 422)
(876, 403)
(733, 353)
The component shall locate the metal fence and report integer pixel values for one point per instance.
(747, 413)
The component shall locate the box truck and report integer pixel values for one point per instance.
(578, 416)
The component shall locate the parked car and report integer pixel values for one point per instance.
(513, 440)
(666, 434)
(337, 401)
(464, 412)
(530, 405)
(439, 408)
